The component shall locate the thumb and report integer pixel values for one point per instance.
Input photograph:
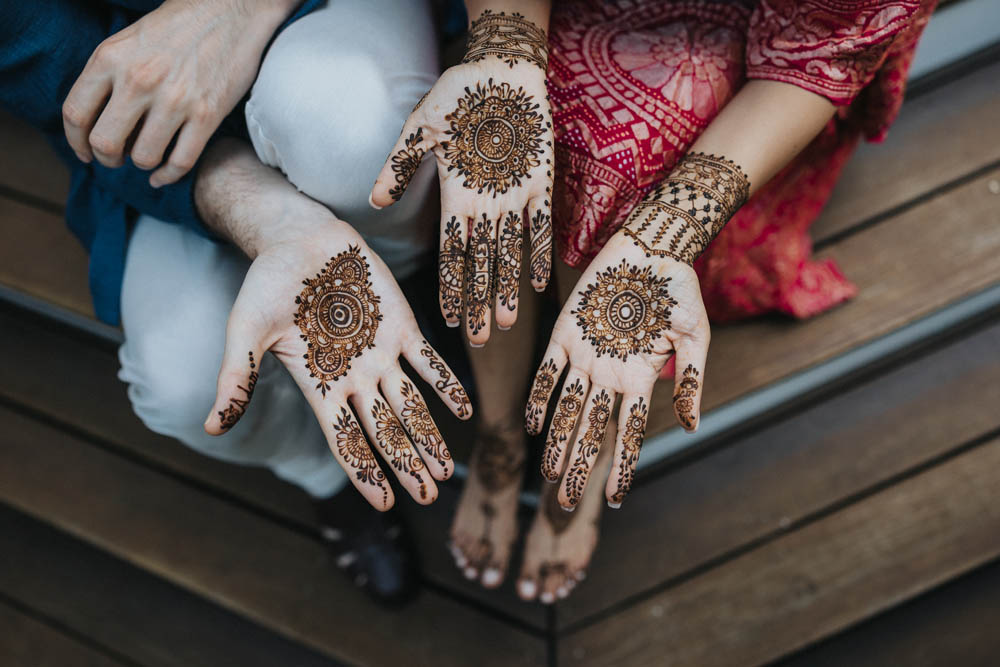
(237, 377)
(402, 163)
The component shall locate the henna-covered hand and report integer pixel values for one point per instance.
(636, 304)
(488, 123)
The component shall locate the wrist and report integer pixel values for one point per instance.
(514, 32)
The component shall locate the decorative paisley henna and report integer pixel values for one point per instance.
(420, 425)
(541, 389)
(625, 311)
(451, 269)
(495, 137)
(338, 314)
(579, 471)
(396, 444)
(682, 216)
(635, 429)
(406, 162)
(541, 247)
(561, 429)
(512, 38)
(497, 465)
(684, 398)
(357, 455)
(237, 406)
(446, 382)
(509, 261)
(480, 259)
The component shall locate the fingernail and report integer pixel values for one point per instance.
(503, 328)
(469, 573)
(372, 203)
(547, 598)
(550, 481)
(526, 588)
(491, 577)
(477, 346)
(451, 325)
(614, 506)
(569, 509)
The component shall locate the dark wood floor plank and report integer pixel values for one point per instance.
(28, 642)
(29, 164)
(116, 605)
(955, 624)
(796, 467)
(815, 581)
(278, 578)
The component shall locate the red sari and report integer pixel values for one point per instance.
(633, 83)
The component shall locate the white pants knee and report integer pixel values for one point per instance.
(333, 92)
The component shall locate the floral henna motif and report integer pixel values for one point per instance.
(635, 429)
(509, 261)
(684, 398)
(511, 38)
(497, 464)
(479, 284)
(406, 161)
(451, 269)
(357, 455)
(541, 388)
(338, 315)
(579, 471)
(446, 382)
(495, 137)
(682, 216)
(420, 425)
(541, 247)
(625, 311)
(561, 429)
(237, 406)
(396, 445)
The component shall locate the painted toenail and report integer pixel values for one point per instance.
(547, 598)
(614, 506)
(581, 575)
(561, 592)
(526, 587)
(569, 509)
(491, 577)
(469, 572)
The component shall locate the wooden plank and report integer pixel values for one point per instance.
(29, 164)
(27, 642)
(814, 581)
(276, 577)
(754, 487)
(114, 604)
(955, 624)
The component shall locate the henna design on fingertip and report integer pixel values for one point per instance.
(561, 428)
(357, 455)
(446, 383)
(406, 161)
(389, 432)
(451, 270)
(541, 247)
(420, 425)
(509, 261)
(238, 406)
(635, 431)
(541, 388)
(590, 444)
(684, 398)
(480, 258)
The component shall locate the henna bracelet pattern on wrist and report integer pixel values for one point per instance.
(682, 215)
(511, 38)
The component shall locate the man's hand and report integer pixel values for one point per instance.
(327, 307)
(488, 122)
(177, 72)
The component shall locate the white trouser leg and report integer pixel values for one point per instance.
(177, 292)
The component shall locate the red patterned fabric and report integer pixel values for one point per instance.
(634, 82)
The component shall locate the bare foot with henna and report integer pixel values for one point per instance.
(485, 523)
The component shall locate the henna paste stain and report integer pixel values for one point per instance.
(635, 430)
(625, 311)
(406, 161)
(237, 406)
(541, 389)
(512, 39)
(446, 382)
(495, 137)
(497, 464)
(451, 269)
(688, 210)
(563, 422)
(479, 286)
(338, 315)
(390, 434)
(357, 455)
(579, 471)
(684, 398)
(420, 425)
(541, 247)
(509, 261)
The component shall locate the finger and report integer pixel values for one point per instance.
(405, 400)
(540, 216)
(114, 127)
(563, 424)
(451, 267)
(355, 456)
(395, 447)
(688, 378)
(237, 377)
(542, 386)
(402, 163)
(480, 262)
(585, 449)
(631, 430)
(190, 143)
(431, 367)
(508, 269)
(157, 132)
(81, 108)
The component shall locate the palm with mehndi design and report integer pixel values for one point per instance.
(330, 311)
(488, 123)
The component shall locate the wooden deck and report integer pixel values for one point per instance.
(857, 524)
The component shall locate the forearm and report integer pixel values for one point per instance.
(765, 125)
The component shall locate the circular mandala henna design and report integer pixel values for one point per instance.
(495, 137)
(625, 311)
(338, 315)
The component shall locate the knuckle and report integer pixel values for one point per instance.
(203, 113)
(105, 53)
(144, 160)
(181, 163)
(104, 144)
(146, 76)
(72, 115)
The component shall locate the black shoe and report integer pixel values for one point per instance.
(373, 548)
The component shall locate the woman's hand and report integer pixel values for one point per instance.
(176, 72)
(488, 122)
(628, 313)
